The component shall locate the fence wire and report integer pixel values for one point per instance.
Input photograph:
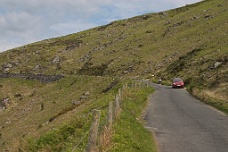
(103, 124)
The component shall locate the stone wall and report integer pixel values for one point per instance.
(30, 76)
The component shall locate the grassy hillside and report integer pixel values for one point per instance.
(35, 108)
(188, 42)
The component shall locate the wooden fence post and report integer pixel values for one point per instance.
(110, 115)
(91, 147)
(120, 93)
(117, 106)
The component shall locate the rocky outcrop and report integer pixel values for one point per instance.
(4, 103)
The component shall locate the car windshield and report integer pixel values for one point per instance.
(177, 80)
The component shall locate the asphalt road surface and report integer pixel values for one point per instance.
(182, 123)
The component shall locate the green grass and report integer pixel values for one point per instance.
(73, 131)
(129, 134)
(63, 138)
(25, 111)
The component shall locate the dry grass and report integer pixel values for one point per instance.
(216, 95)
(105, 139)
(220, 93)
(213, 98)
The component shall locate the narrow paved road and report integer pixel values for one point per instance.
(182, 123)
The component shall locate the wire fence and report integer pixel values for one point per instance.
(100, 131)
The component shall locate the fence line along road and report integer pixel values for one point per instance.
(114, 110)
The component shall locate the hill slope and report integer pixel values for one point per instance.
(137, 46)
(189, 42)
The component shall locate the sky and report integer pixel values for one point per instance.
(27, 21)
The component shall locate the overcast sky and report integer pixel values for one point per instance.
(26, 21)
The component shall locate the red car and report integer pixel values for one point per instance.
(177, 82)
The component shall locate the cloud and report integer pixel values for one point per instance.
(26, 21)
(18, 22)
(70, 27)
